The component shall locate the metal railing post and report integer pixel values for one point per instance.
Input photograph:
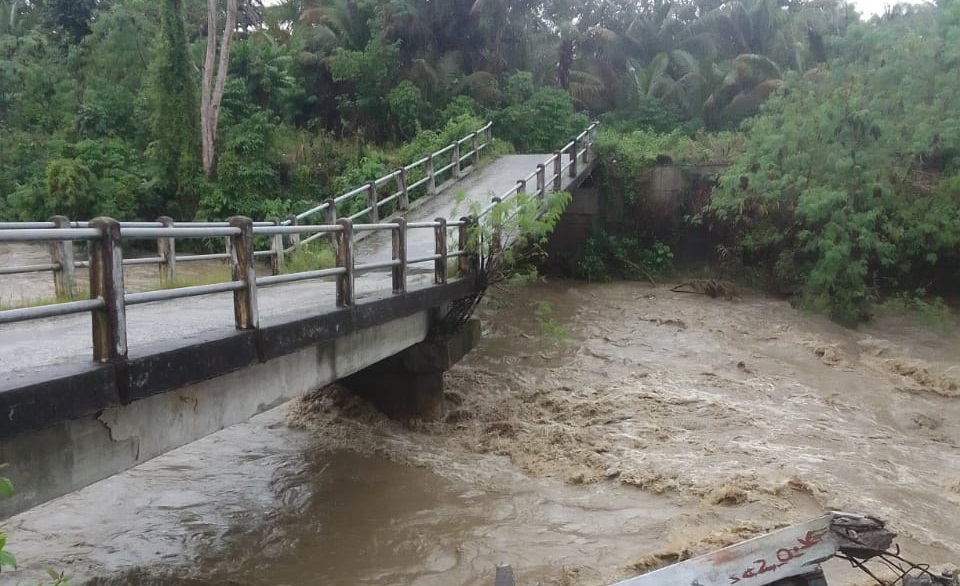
(404, 202)
(467, 243)
(345, 261)
(496, 233)
(586, 147)
(106, 282)
(475, 149)
(557, 165)
(431, 177)
(61, 253)
(541, 180)
(276, 249)
(573, 157)
(330, 217)
(167, 249)
(245, 309)
(372, 202)
(293, 239)
(456, 160)
(440, 240)
(400, 254)
(521, 186)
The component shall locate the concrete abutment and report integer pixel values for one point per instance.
(409, 385)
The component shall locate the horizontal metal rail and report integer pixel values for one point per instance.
(196, 257)
(302, 276)
(181, 292)
(48, 235)
(37, 268)
(429, 172)
(9, 316)
(373, 266)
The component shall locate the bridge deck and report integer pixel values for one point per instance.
(30, 346)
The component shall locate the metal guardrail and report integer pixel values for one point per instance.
(479, 140)
(108, 299)
(459, 166)
(567, 160)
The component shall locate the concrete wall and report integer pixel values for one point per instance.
(72, 454)
(581, 219)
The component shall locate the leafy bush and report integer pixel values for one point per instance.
(537, 120)
(605, 256)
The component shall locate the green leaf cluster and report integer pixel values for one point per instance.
(848, 184)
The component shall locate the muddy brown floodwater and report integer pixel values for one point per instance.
(664, 425)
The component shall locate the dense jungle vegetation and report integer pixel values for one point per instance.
(840, 136)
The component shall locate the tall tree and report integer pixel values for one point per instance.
(213, 81)
(172, 95)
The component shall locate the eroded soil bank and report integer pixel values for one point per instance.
(665, 424)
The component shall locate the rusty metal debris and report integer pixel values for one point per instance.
(791, 556)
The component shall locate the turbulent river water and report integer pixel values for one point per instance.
(662, 425)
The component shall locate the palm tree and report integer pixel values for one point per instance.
(749, 81)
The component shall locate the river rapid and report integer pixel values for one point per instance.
(661, 425)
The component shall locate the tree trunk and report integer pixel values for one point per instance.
(213, 81)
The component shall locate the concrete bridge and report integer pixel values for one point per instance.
(92, 386)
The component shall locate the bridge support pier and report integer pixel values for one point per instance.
(409, 385)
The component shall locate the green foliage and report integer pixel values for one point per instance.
(845, 189)
(171, 93)
(626, 158)
(369, 72)
(6, 558)
(521, 224)
(312, 256)
(649, 115)
(605, 256)
(546, 324)
(246, 173)
(537, 120)
(407, 108)
(932, 311)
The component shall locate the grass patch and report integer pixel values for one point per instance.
(932, 311)
(82, 293)
(313, 256)
(209, 276)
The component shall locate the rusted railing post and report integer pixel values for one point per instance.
(61, 253)
(475, 150)
(400, 254)
(345, 261)
(372, 202)
(440, 240)
(557, 173)
(468, 247)
(277, 259)
(541, 180)
(106, 282)
(431, 177)
(521, 186)
(456, 160)
(245, 309)
(167, 249)
(404, 201)
(293, 239)
(573, 157)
